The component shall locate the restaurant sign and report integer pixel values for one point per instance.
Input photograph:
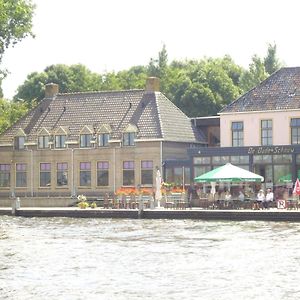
(269, 150)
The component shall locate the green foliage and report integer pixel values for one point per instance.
(271, 61)
(10, 112)
(15, 25)
(74, 78)
(197, 87)
(260, 69)
(15, 22)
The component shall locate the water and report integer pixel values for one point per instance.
(64, 258)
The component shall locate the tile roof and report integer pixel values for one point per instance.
(281, 91)
(155, 116)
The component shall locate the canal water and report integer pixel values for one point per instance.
(64, 258)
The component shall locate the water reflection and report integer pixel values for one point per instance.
(64, 258)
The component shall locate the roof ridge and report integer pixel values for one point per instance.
(100, 92)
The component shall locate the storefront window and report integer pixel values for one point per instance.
(242, 159)
(262, 159)
(282, 158)
(205, 160)
(220, 160)
(282, 174)
(199, 170)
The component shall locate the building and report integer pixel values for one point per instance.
(260, 131)
(94, 142)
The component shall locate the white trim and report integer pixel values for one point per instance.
(30, 144)
(71, 142)
(6, 145)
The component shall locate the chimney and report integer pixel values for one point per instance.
(51, 90)
(152, 84)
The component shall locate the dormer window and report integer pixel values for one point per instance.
(19, 142)
(85, 140)
(86, 137)
(103, 139)
(103, 135)
(60, 137)
(129, 135)
(128, 138)
(60, 141)
(43, 141)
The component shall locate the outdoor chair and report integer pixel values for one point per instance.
(169, 202)
(133, 202)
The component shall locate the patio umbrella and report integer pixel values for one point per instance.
(158, 194)
(296, 190)
(229, 173)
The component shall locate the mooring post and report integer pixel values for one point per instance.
(16, 204)
(141, 203)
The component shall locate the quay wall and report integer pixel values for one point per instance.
(227, 215)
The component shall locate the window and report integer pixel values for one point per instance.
(85, 174)
(103, 139)
(21, 175)
(60, 141)
(45, 175)
(128, 138)
(237, 134)
(205, 160)
(85, 140)
(242, 159)
(43, 142)
(128, 173)
(295, 130)
(266, 133)
(102, 173)
(4, 175)
(19, 142)
(62, 174)
(146, 172)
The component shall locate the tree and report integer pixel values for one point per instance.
(255, 75)
(10, 112)
(74, 78)
(201, 88)
(260, 69)
(271, 61)
(15, 25)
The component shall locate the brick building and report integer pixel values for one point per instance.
(94, 142)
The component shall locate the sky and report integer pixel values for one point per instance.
(113, 35)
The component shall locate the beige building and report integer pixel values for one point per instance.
(94, 142)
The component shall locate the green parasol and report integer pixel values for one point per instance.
(229, 173)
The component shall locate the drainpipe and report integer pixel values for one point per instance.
(114, 171)
(72, 180)
(161, 157)
(32, 171)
